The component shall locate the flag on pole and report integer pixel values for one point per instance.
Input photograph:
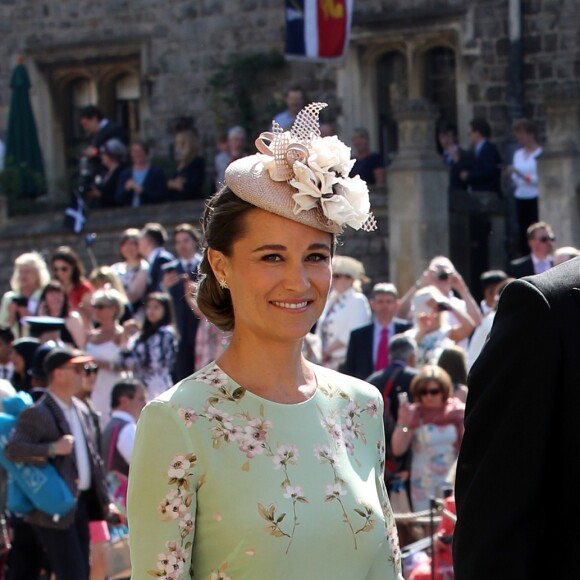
(317, 29)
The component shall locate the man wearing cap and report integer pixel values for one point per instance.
(45, 328)
(58, 429)
(368, 346)
(114, 159)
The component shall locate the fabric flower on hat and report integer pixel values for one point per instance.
(317, 167)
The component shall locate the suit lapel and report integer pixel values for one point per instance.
(58, 415)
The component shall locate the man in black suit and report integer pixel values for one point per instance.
(99, 130)
(541, 242)
(483, 179)
(176, 281)
(484, 174)
(391, 382)
(514, 486)
(58, 428)
(152, 240)
(363, 353)
(455, 157)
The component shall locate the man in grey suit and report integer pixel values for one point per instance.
(59, 429)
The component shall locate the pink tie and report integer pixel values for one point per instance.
(383, 352)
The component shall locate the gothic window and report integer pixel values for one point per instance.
(392, 87)
(440, 81)
(127, 97)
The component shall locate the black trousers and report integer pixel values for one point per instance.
(68, 550)
(527, 214)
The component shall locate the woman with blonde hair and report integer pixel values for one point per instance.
(105, 277)
(188, 180)
(432, 427)
(29, 277)
(104, 344)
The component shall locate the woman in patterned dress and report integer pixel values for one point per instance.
(263, 464)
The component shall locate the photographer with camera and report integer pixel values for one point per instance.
(114, 158)
(441, 274)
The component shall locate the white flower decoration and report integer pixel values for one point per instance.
(318, 168)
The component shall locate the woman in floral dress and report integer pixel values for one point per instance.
(262, 464)
(150, 354)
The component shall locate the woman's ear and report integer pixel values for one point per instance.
(218, 262)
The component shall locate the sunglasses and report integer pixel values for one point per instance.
(61, 268)
(547, 239)
(340, 276)
(100, 306)
(90, 369)
(434, 391)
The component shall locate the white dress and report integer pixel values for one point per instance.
(343, 313)
(109, 352)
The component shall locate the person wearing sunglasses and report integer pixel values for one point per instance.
(67, 267)
(432, 426)
(346, 310)
(541, 243)
(58, 429)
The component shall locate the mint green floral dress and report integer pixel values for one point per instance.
(227, 485)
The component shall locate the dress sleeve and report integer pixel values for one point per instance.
(161, 499)
(389, 566)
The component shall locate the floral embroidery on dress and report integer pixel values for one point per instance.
(175, 506)
(250, 435)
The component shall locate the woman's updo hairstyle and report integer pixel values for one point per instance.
(222, 224)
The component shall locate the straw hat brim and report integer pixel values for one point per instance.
(249, 180)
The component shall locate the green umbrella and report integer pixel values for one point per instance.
(23, 161)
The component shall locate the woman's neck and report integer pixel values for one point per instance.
(286, 378)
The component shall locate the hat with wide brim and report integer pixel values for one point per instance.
(349, 266)
(250, 180)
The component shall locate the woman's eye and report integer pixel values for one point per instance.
(272, 258)
(318, 257)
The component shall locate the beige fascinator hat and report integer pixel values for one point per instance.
(302, 176)
(349, 267)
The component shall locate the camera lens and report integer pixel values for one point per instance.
(443, 275)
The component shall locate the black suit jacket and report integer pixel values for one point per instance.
(154, 187)
(514, 487)
(521, 267)
(187, 323)
(485, 171)
(111, 130)
(41, 424)
(359, 354)
(155, 278)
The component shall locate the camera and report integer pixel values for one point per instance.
(442, 306)
(20, 300)
(442, 275)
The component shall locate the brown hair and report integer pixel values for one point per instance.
(453, 360)
(189, 230)
(526, 126)
(428, 373)
(223, 223)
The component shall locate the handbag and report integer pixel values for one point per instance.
(31, 486)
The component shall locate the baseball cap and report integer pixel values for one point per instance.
(59, 357)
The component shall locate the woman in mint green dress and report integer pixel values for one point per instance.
(262, 464)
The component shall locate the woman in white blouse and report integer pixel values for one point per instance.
(347, 309)
(524, 175)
